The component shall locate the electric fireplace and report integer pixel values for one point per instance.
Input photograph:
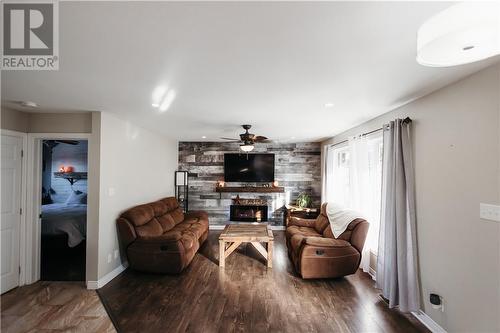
(248, 213)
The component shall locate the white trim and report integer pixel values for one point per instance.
(107, 278)
(428, 322)
(22, 227)
(221, 227)
(216, 227)
(33, 192)
(372, 273)
(278, 227)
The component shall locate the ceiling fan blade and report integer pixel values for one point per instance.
(68, 142)
(231, 139)
(260, 138)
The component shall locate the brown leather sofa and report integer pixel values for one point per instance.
(314, 251)
(160, 238)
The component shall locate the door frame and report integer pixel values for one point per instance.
(33, 234)
(22, 226)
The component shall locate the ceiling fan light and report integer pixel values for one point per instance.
(246, 148)
(461, 34)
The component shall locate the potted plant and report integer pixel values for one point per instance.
(304, 200)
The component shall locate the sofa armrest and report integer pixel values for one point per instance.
(167, 242)
(300, 222)
(201, 214)
(325, 242)
(126, 231)
(358, 235)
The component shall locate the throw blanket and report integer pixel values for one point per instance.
(339, 217)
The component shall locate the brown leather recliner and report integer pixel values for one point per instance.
(159, 238)
(314, 251)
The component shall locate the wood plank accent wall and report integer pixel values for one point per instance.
(297, 168)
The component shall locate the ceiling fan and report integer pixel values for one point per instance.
(248, 139)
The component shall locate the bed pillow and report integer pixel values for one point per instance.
(77, 197)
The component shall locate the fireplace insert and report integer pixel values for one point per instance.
(248, 213)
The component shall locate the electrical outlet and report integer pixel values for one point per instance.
(489, 212)
(109, 258)
(116, 254)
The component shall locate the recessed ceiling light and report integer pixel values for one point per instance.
(204, 137)
(328, 105)
(28, 104)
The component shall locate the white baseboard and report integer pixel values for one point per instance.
(428, 322)
(221, 227)
(92, 285)
(108, 277)
(278, 227)
(216, 227)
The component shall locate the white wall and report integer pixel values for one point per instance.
(138, 166)
(457, 156)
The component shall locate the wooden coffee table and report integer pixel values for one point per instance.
(255, 234)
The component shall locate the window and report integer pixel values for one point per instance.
(354, 179)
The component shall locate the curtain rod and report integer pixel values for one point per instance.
(407, 120)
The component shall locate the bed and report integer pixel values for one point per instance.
(62, 218)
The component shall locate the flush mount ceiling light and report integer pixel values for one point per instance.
(461, 34)
(246, 148)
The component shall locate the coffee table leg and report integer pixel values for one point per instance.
(270, 254)
(222, 249)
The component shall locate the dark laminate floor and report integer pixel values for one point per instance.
(247, 297)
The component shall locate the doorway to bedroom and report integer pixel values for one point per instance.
(63, 209)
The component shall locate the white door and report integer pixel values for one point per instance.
(11, 165)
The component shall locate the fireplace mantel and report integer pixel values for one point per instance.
(249, 189)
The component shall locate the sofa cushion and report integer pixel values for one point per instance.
(159, 208)
(166, 222)
(195, 228)
(139, 215)
(151, 229)
(305, 231)
(178, 215)
(296, 242)
(326, 242)
(171, 203)
(188, 239)
(321, 223)
(346, 235)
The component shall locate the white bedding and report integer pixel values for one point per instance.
(60, 218)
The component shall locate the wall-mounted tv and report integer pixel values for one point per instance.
(249, 167)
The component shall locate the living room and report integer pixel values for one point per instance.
(253, 166)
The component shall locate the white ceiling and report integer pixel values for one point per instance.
(273, 65)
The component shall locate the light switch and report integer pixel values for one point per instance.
(489, 212)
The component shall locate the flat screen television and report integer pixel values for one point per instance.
(249, 168)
